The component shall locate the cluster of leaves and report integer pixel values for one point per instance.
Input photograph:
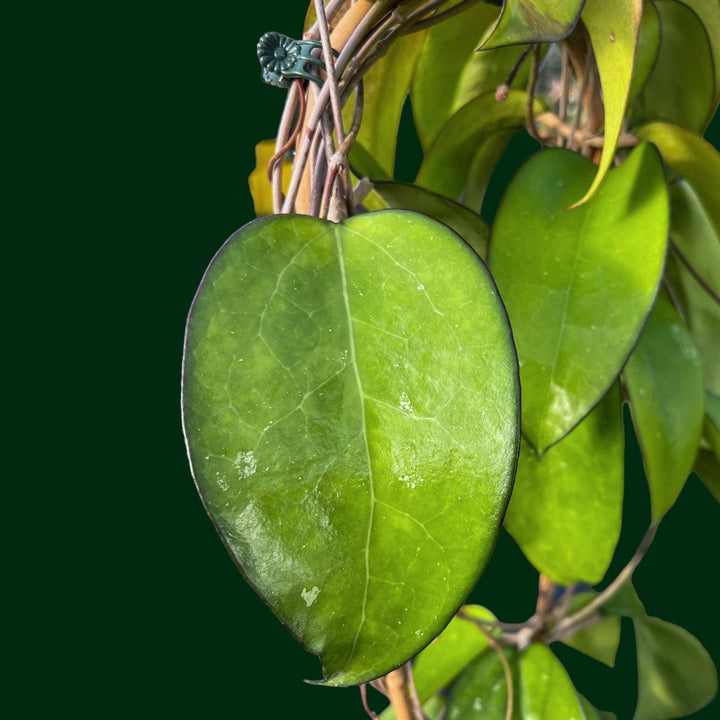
(352, 390)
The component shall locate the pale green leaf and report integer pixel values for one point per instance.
(350, 408)
(676, 675)
(599, 641)
(579, 284)
(546, 690)
(481, 692)
(709, 13)
(664, 382)
(445, 657)
(386, 86)
(613, 26)
(681, 86)
(470, 226)
(690, 157)
(566, 508)
(447, 163)
(532, 21)
(647, 49)
(449, 47)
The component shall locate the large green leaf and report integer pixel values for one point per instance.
(547, 692)
(577, 285)
(690, 157)
(481, 692)
(676, 676)
(709, 14)
(456, 647)
(532, 21)
(447, 163)
(449, 47)
(350, 407)
(470, 226)
(613, 26)
(386, 87)
(566, 507)
(663, 378)
(681, 85)
(599, 641)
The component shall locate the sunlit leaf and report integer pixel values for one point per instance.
(527, 21)
(456, 647)
(647, 49)
(260, 187)
(449, 47)
(599, 641)
(664, 382)
(386, 87)
(690, 157)
(676, 676)
(447, 163)
(566, 508)
(481, 692)
(470, 226)
(709, 14)
(350, 406)
(578, 285)
(681, 86)
(613, 26)
(546, 690)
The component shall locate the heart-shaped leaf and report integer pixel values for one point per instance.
(468, 225)
(676, 676)
(613, 26)
(555, 496)
(663, 378)
(681, 86)
(449, 47)
(577, 285)
(691, 157)
(534, 21)
(350, 405)
(446, 165)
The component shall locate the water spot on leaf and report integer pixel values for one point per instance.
(310, 596)
(406, 404)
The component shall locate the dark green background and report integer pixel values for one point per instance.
(130, 136)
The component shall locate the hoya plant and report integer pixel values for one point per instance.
(376, 380)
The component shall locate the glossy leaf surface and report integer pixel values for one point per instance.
(566, 508)
(386, 87)
(613, 26)
(467, 224)
(456, 647)
(449, 47)
(663, 378)
(681, 86)
(676, 676)
(547, 692)
(690, 157)
(350, 407)
(577, 284)
(260, 187)
(481, 692)
(599, 641)
(447, 163)
(526, 21)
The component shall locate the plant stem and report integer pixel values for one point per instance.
(396, 690)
